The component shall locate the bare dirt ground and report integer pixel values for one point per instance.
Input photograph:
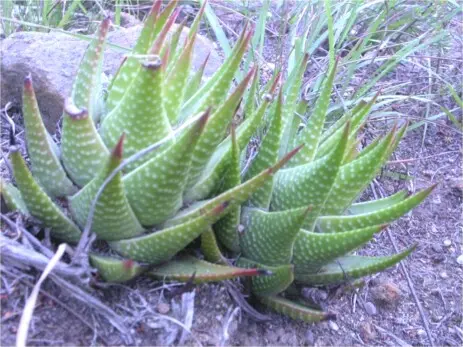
(384, 311)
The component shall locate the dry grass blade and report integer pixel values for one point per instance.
(28, 311)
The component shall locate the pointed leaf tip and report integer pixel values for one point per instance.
(128, 264)
(285, 159)
(118, 149)
(28, 83)
(275, 83)
(73, 111)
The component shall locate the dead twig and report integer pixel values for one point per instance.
(21, 337)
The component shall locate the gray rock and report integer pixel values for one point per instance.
(53, 59)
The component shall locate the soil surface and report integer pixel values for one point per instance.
(391, 308)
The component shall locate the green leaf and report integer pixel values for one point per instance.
(213, 134)
(267, 155)
(309, 184)
(355, 176)
(293, 309)
(310, 135)
(275, 281)
(130, 67)
(312, 249)
(39, 204)
(211, 249)
(140, 114)
(351, 267)
(13, 198)
(160, 246)
(87, 84)
(227, 227)
(215, 90)
(378, 204)
(293, 88)
(184, 268)
(113, 218)
(236, 196)
(46, 166)
(194, 82)
(114, 269)
(268, 237)
(155, 189)
(83, 151)
(382, 215)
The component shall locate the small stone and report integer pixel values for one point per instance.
(460, 259)
(370, 308)
(386, 293)
(437, 248)
(421, 332)
(367, 331)
(163, 308)
(309, 337)
(333, 325)
(447, 243)
(444, 275)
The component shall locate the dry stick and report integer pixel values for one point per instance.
(67, 308)
(85, 242)
(95, 304)
(412, 288)
(400, 161)
(21, 337)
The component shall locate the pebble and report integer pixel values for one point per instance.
(460, 259)
(421, 332)
(447, 243)
(437, 248)
(309, 337)
(370, 308)
(163, 308)
(333, 325)
(444, 275)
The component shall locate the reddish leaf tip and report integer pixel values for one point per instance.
(128, 264)
(264, 272)
(118, 149)
(73, 111)
(28, 83)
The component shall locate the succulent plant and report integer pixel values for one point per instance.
(288, 212)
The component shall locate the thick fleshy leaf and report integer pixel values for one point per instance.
(174, 46)
(213, 134)
(310, 135)
(141, 114)
(87, 85)
(250, 104)
(45, 164)
(309, 184)
(83, 151)
(13, 198)
(355, 176)
(114, 269)
(382, 215)
(184, 268)
(160, 246)
(39, 204)
(267, 155)
(215, 90)
(155, 189)
(351, 267)
(312, 250)
(294, 310)
(268, 237)
(227, 227)
(131, 66)
(293, 89)
(211, 249)
(113, 218)
(373, 205)
(236, 196)
(195, 80)
(275, 281)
